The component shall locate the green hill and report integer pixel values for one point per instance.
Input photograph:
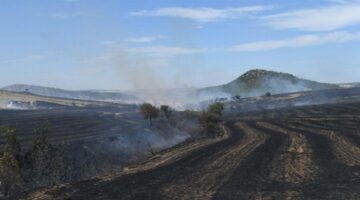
(257, 82)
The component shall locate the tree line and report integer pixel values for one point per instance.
(209, 119)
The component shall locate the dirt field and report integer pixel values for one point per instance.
(308, 152)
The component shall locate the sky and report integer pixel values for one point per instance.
(142, 44)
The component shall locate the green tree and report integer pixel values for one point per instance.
(149, 112)
(210, 119)
(10, 164)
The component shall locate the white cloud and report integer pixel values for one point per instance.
(26, 59)
(344, 1)
(96, 59)
(164, 51)
(328, 18)
(109, 42)
(144, 39)
(203, 14)
(63, 15)
(301, 41)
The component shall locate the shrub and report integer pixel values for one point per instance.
(10, 164)
(210, 119)
(216, 108)
(40, 141)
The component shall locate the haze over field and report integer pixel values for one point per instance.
(253, 83)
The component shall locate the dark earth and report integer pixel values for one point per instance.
(308, 152)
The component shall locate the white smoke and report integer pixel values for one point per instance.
(143, 69)
(16, 106)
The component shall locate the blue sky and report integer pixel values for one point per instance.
(112, 44)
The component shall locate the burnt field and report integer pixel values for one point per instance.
(310, 152)
(70, 124)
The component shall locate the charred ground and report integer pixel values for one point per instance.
(307, 152)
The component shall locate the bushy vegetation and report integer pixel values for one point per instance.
(149, 112)
(216, 108)
(16, 168)
(40, 154)
(10, 164)
(210, 119)
(40, 142)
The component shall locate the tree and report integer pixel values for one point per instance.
(267, 94)
(10, 164)
(211, 118)
(164, 108)
(149, 112)
(216, 108)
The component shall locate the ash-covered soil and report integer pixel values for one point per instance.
(310, 152)
(88, 142)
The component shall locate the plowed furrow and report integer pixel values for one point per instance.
(338, 124)
(294, 163)
(204, 182)
(152, 184)
(254, 171)
(343, 132)
(324, 155)
(345, 146)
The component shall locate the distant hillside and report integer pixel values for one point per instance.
(349, 85)
(81, 94)
(257, 82)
